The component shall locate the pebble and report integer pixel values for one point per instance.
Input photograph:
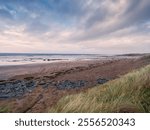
(102, 81)
(16, 88)
(67, 84)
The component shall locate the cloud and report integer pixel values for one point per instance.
(5, 14)
(115, 19)
(37, 27)
(80, 26)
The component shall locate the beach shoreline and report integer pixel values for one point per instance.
(44, 84)
(10, 71)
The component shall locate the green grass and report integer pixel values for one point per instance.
(4, 109)
(130, 93)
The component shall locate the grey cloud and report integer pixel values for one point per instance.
(136, 13)
(98, 15)
(86, 20)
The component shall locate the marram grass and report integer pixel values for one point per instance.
(130, 93)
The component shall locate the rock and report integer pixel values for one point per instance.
(30, 84)
(16, 88)
(45, 85)
(42, 83)
(101, 81)
(67, 84)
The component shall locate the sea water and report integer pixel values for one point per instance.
(7, 59)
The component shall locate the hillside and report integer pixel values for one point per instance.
(130, 93)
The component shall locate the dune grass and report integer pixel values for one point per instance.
(4, 109)
(129, 93)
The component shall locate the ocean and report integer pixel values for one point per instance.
(7, 59)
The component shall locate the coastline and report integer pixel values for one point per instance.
(10, 71)
(45, 84)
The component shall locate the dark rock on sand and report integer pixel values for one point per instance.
(67, 84)
(44, 84)
(102, 81)
(16, 88)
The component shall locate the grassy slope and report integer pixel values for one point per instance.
(130, 93)
(4, 109)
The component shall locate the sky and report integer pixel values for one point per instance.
(75, 26)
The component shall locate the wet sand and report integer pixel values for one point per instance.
(7, 72)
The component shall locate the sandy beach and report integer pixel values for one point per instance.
(7, 72)
(44, 84)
